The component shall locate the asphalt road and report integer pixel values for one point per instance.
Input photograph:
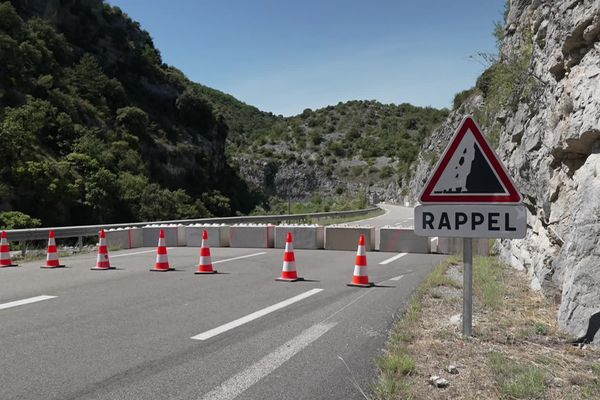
(394, 216)
(134, 334)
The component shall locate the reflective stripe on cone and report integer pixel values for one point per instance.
(162, 261)
(205, 262)
(288, 270)
(361, 276)
(102, 261)
(5, 260)
(52, 260)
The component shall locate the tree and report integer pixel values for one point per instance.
(133, 119)
(10, 22)
(195, 110)
(216, 203)
(17, 220)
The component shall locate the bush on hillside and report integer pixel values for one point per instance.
(17, 220)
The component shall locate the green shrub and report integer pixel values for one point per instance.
(461, 97)
(18, 220)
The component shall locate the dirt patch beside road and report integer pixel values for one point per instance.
(517, 351)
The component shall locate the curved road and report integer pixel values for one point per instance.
(132, 334)
(394, 216)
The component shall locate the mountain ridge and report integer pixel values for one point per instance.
(107, 132)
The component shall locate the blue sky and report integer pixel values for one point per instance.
(284, 56)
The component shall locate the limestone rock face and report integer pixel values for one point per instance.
(550, 143)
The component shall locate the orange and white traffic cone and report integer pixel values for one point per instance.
(361, 277)
(102, 261)
(205, 263)
(5, 260)
(162, 259)
(288, 272)
(52, 254)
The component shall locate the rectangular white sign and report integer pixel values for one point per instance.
(471, 221)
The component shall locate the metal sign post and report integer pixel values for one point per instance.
(467, 287)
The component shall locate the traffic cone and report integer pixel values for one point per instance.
(205, 264)
(102, 261)
(361, 277)
(162, 260)
(5, 260)
(288, 272)
(52, 255)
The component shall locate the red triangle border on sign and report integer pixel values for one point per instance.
(513, 196)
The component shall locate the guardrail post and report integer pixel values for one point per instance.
(23, 244)
(80, 243)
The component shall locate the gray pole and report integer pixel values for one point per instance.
(467, 286)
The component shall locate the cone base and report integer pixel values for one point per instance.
(51, 267)
(214, 271)
(289, 280)
(161, 270)
(9, 265)
(370, 284)
(102, 269)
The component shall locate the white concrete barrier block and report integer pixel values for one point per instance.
(305, 236)
(218, 235)
(124, 238)
(174, 235)
(345, 237)
(402, 240)
(253, 235)
(433, 244)
(446, 245)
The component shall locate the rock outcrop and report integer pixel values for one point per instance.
(550, 143)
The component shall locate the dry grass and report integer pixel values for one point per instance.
(517, 351)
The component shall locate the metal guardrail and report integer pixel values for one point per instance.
(92, 230)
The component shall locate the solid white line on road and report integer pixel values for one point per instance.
(357, 298)
(251, 317)
(137, 252)
(25, 301)
(237, 384)
(396, 278)
(240, 257)
(389, 260)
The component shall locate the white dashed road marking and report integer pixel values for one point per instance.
(389, 260)
(255, 315)
(237, 384)
(25, 301)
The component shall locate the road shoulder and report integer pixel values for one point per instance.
(517, 351)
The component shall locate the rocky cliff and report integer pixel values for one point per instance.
(547, 131)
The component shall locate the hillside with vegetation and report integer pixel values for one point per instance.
(346, 149)
(94, 127)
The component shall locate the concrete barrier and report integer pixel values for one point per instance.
(345, 237)
(124, 238)
(218, 235)
(451, 245)
(402, 240)
(252, 235)
(174, 235)
(305, 236)
(433, 242)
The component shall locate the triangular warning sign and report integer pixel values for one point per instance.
(470, 172)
